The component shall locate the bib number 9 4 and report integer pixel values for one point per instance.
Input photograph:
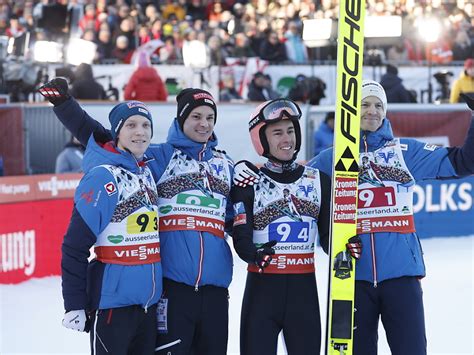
(289, 232)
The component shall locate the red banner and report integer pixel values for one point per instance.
(38, 187)
(450, 124)
(31, 234)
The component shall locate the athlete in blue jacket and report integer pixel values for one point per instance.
(391, 265)
(193, 182)
(115, 210)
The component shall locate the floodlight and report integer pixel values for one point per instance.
(383, 26)
(196, 54)
(46, 51)
(429, 29)
(317, 32)
(80, 51)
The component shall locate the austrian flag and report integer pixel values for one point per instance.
(110, 188)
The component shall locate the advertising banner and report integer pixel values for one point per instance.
(444, 208)
(34, 215)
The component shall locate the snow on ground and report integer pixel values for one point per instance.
(31, 312)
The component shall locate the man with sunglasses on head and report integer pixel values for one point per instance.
(276, 223)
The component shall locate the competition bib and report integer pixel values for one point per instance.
(385, 202)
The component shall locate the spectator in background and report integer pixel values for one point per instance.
(392, 84)
(228, 91)
(242, 47)
(145, 84)
(84, 86)
(15, 29)
(104, 45)
(397, 54)
(465, 83)
(151, 14)
(323, 137)
(172, 7)
(196, 10)
(127, 29)
(170, 53)
(70, 158)
(259, 89)
(295, 49)
(272, 49)
(462, 46)
(121, 51)
(268, 84)
(89, 20)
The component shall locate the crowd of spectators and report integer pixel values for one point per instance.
(271, 30)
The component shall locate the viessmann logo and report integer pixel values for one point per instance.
(55, 185)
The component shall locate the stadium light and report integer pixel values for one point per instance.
(382, 26)
(47, 52)
(429, 29)
(196, 55)
(80, 51)
(317, 32)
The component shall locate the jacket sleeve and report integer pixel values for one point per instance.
(79, 123)
(426, 161)
(324, 219)
(92, 212)
(243, 223)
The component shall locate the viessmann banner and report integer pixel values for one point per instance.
(34, 215)
(35, 212)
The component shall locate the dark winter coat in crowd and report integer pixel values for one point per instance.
(396, 92)
(84, 86)
(274, 53)
(145, 85)
(259, 94)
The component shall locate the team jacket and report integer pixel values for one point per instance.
(291, 208)
(196, 255)
(115, 210)
(388, 169)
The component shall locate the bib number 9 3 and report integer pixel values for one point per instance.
(142, 222)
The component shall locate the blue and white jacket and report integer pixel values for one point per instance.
(192, 257)
(388, 255)
(115, 192)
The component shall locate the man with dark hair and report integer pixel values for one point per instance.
(392, 84)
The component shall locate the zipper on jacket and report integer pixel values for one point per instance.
(201, 258)
(154, 287)
(202, 151)
(364, 139)
(374, 261)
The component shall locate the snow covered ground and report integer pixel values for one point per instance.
(31, 312)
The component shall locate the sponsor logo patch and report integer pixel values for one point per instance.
(110, 188)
